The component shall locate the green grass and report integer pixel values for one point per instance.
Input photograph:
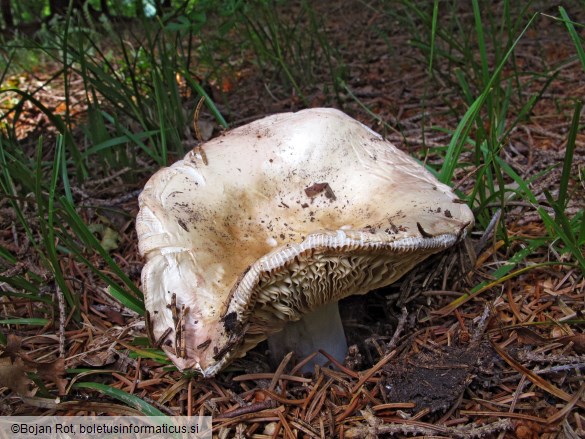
(134, 108)
(495, 107)
(289, 44)
(127, 398)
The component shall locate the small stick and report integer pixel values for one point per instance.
(265, 376)
(373, 370)
(281, 399)
(252, 408)
(302, 363)
(317, 404)
(340, 366)
(184, 313)
(350, 408)
(279, 371)
(312, 393)
(393, 406)
(489, 231)
(61, 301)
(148, 328)
(481, 326)
(287, 429)
(196, 119)
(162, 338)
(198, 149)
(399, 328)
(190, 398)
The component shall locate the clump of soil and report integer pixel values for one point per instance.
(436, 379)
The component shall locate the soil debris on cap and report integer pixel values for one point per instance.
(318, 188)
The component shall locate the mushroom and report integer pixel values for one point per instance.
(273, 223)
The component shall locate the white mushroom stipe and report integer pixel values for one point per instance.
(286, 215)
(321, 329)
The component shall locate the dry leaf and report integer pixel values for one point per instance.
(99, 359)
(14, 364)
(13, 376)
(115, 316)
(12, 347)
(55, 372)
(527, 336)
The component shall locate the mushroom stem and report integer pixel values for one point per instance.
(320, 329)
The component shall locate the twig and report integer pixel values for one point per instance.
(373, 370)
(287, 429)
(481, 326)
(190, 398)
(312, 393)
(111, 202)
(421, 428)
(61, 301)
(567, 408)
(196, 119)
(489, 232)
(279, 371)
(337, 364)
(571, 360)
(107, 179)
(399, 328)
(317, 403)
(305, 428)
(350, 408)
(394, 406)
(300, 365)
(517, 393)
(252, 408)
(266, 376)
(282, 399)
(537, 380)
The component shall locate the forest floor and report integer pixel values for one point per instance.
(507, 362)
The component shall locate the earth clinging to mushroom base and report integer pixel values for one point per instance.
(287, 215)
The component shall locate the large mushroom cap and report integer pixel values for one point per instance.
(274, 219)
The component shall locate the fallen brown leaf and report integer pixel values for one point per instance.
(527, 336)
(54, 371)
(13, 375)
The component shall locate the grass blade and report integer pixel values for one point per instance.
(127, 398)
(462, 131)
(569, 153)
(25, 321)
(498, 274)
(574, 36)
(433, 34)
